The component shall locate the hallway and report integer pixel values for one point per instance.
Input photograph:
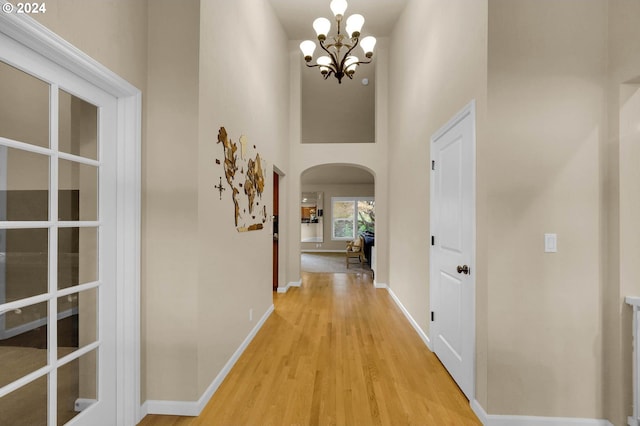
(335, 351)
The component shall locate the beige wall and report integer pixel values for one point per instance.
(304, 156)
(171, 202)
(234, 274)
(342, 190)
(546, 96)
(446, 75)
(553, 337)
(113, 32)
(188, 93)
(338, 113)
(622, 188)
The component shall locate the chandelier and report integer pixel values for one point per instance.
(339, 61)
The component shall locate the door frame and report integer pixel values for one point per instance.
(28, 32)
(468, 110)
(276, 230)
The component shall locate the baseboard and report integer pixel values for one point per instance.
(172, 408)
(144, 410)
(288, 286)
(479, 411)
(631, 421)
(413, 322)
(83, 403)
(508, 420)
(321, 251)
(379, 285)
(194, 408)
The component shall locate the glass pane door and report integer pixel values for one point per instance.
(57, 249)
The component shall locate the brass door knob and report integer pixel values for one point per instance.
(464, 269)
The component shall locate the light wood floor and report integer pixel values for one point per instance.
(336, 351)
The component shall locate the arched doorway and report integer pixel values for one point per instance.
(337, 206)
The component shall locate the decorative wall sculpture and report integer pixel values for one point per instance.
(248, 214)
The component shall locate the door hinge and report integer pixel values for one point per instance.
(432, 316)
(433, 240)
(433, 164)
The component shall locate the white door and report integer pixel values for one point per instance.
(58, 241)
(452, 269)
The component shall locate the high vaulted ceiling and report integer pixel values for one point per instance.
(297, 16)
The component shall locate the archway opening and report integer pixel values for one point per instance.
(337, 218)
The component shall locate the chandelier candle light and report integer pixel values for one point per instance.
(335, 63)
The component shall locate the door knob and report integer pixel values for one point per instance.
(464, 269)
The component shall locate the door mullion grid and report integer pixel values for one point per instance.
(53, 257)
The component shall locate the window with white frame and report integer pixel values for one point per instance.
(351, 216)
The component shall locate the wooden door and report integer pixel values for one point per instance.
(276, 201)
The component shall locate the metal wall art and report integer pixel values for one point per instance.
(243, 175)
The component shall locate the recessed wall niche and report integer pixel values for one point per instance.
(338, 113)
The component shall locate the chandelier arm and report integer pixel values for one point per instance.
(363, 62)
(333, 57)
(333, 46)
(330, 66)
(346, 55)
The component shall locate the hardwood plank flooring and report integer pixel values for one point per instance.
(336, 351)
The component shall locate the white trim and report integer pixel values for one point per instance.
(320, 251)
(143, 410)
(288, 286)
(413, 322)
(509, 420)
(355, 216)
(635, 370)
(376, 284)
(7, 333)
(82, 404)
(194, 408)
(479, 411)
(172, 408)
(128, 279)
(41, 40)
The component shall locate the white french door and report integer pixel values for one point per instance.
(452, 269)
(57, 244)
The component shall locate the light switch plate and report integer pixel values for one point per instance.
(550, 243)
